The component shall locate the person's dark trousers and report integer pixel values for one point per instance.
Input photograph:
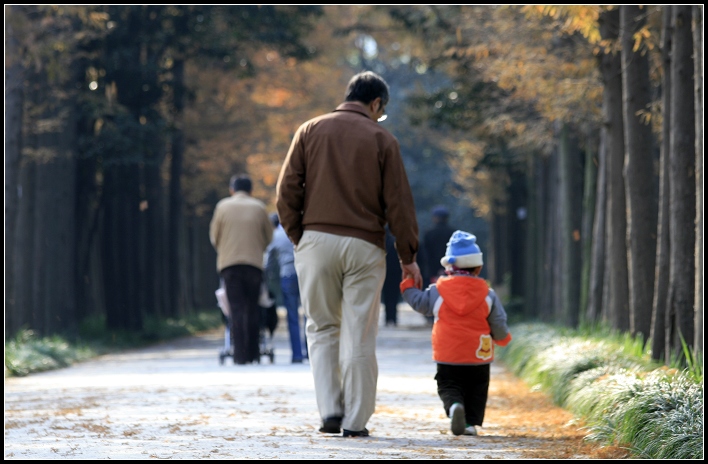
(243, 287)
(390, 301)
(291, 299)
(467, 385)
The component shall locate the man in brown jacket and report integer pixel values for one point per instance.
(342, 181)
(240, 231)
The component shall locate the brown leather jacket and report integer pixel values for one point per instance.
(344, 175)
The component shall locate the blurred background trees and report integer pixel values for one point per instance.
(567, 138)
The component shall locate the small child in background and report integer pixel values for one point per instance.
(469, 318)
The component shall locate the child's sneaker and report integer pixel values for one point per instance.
(470, 430)
(457, 419)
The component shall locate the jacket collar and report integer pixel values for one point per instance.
(353, 107)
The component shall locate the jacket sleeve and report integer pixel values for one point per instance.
(290, 189)
(267, 228)
(214, 228)
(422, 301)
(271, 258)
(497, 320)
(400, 208)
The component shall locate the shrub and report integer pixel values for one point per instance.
(625, 398)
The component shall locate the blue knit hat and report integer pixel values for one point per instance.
(462, 251)
(440, 212)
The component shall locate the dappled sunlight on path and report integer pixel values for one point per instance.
(175, 401)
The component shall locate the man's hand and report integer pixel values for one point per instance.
(413, 271)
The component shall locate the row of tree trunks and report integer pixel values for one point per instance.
(42, 264)
(176, 298)
(14, 101)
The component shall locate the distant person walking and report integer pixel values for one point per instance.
(434, 243)
(469, 319)
(390, 294)
(280, 252)
(240, 231)
(342, 181)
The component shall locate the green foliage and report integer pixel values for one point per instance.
(609, 380)
(692, 360)
(26, 353)
(659, 414)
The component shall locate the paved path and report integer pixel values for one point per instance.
(175, 401)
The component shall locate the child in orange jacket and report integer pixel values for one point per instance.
(469, 320)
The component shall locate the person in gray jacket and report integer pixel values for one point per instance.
(342, 181)
(280, 251)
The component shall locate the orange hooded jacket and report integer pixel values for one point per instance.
(469, 318)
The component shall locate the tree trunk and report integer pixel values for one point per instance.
(175, 303)
(638, 172)
(680, 317)
(202, 259)
(62, 234)
(698, 79)
(493, 261)
(597, 264)
(516, 231)
(661, 284)
(534, 245)
(154, 255)
(24, 243)
(571, 203)
(616, 255)
(586, 230)
(120, 251)
(14, 101)
(41, 259)
(551, 298)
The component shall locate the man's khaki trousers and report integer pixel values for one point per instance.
(340, 289)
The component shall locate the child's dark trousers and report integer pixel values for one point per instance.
(467, 385)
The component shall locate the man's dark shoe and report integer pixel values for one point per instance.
(331, 425)
(353, 433)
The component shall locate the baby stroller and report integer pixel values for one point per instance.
(269, 321)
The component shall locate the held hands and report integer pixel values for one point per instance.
(412, 271)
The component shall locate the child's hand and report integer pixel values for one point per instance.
(412, 271)
(406, 283)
